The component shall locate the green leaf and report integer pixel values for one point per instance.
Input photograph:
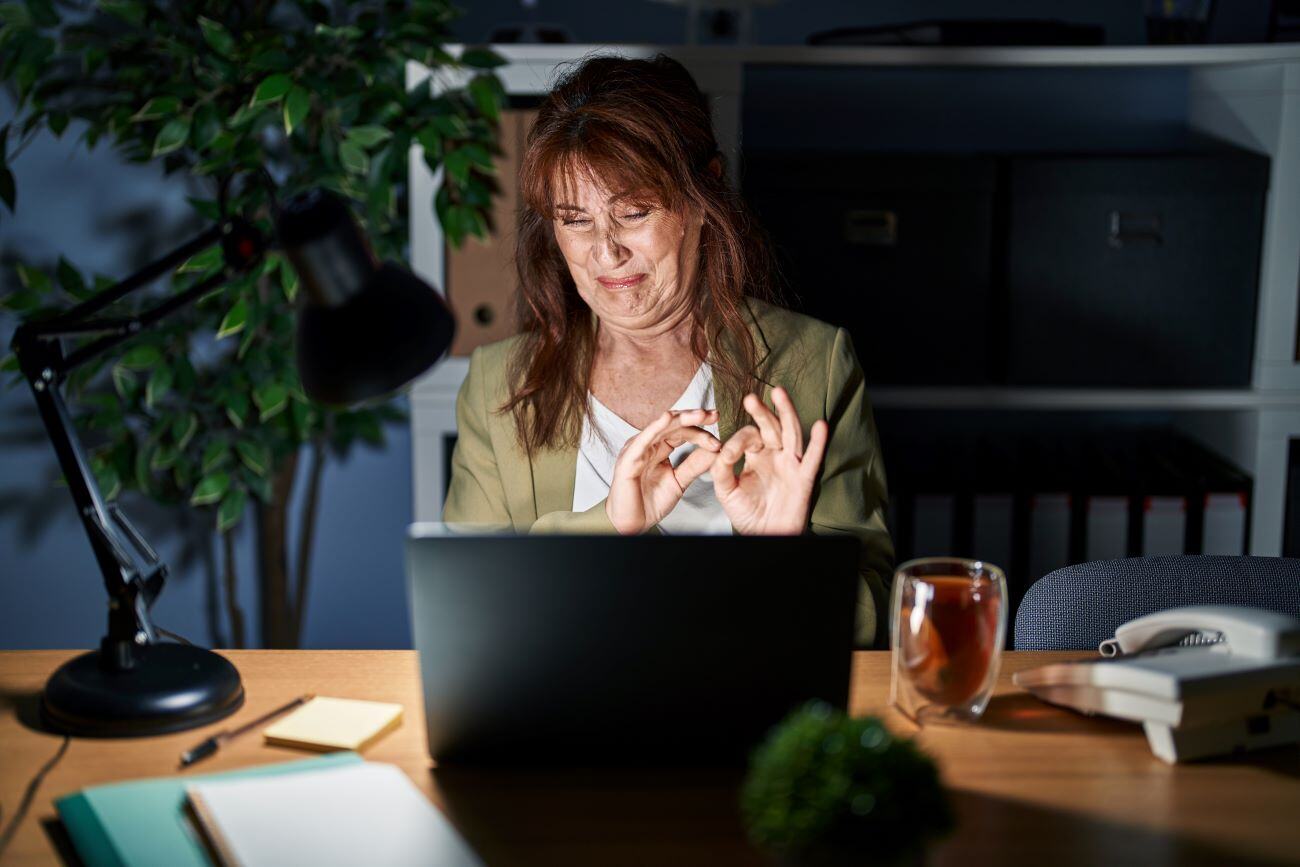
(157, 108)
(207, 260)
(8, 190)
(479, 157)
(217, 36)
(43, 13)
(160, 382)
(207, 126)
(110, 483)
(296, 106)
(272, 88)
(457, 163)
(270, 398)
(231, 509)
(34, 279)
(368, 136)
(214, 455)
(353, 158)
(451, 126)
(172, 136)
(274, 60)
(482, 58)
(184, 429)
(487, 95)
(163, 457)
(127, 10)
(261, 487)
(431, 140)
(237, 409)
(124, 381)
(142, 357)
(301, 414)
(255, 455)
(71, 280)
(288, 280)
(235, 320)
(205, 208)
(245, 116)
(15, 15)
(210, 489)
(57, 121)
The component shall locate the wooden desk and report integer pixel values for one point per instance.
(1031, 783)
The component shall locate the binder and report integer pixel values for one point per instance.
(1225, 524)
(993, 522)
(142, 822)
(1164, 525)
(1049, 533)
(1107, 527)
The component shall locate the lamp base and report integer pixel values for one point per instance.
(171, 687)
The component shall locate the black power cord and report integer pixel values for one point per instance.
(30, 795)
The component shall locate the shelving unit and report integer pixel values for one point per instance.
(1248, 95)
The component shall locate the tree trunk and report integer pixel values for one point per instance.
(278, 620)
(233, 611)
(307, 536)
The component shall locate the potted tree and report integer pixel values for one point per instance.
(207, 410)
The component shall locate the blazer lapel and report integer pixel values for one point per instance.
(727, 407)
(553, 474)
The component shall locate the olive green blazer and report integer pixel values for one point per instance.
(495, 482)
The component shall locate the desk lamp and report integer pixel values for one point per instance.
(364, 329)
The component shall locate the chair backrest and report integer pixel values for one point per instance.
(1077, 607)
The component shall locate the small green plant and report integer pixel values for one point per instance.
(828, 788)
(205, 409)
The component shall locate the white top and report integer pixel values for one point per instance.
(698, 511)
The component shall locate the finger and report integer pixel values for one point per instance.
(696, 416)
(791, 430)
(812, 459)
(638, 452)
(724, 467)
(697, 463)
(767, 423)
(697, 435)
(747, 439)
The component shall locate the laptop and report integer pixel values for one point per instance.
(624, 650)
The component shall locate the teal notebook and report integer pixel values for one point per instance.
(143, 822)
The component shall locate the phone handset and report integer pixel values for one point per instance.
(1251, 632)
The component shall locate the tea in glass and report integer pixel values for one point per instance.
(948, 621)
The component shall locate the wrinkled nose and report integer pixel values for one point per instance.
(610, 254)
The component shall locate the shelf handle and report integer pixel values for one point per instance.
(871, 228)
(1128, 229)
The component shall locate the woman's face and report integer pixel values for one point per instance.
(633, 263)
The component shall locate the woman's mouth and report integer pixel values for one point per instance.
(621, 282)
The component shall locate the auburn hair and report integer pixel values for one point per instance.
(641, 128)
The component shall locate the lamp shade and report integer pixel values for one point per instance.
(365, 329)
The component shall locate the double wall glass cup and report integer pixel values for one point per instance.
(949, 619)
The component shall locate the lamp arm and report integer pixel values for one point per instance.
(133, 573)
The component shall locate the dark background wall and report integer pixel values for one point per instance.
(50, 593)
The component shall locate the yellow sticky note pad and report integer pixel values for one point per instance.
(335, 724)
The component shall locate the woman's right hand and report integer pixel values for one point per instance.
(646, 486)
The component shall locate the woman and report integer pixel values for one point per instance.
(646, 338)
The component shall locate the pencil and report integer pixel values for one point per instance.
(210, 746)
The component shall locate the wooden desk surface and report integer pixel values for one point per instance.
(1031, 783)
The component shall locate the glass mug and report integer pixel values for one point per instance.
(948, 620)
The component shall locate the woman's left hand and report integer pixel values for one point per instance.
(772, 494)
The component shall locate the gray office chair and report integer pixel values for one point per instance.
(1077, 607)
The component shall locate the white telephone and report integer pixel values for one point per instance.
(1233, 684)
